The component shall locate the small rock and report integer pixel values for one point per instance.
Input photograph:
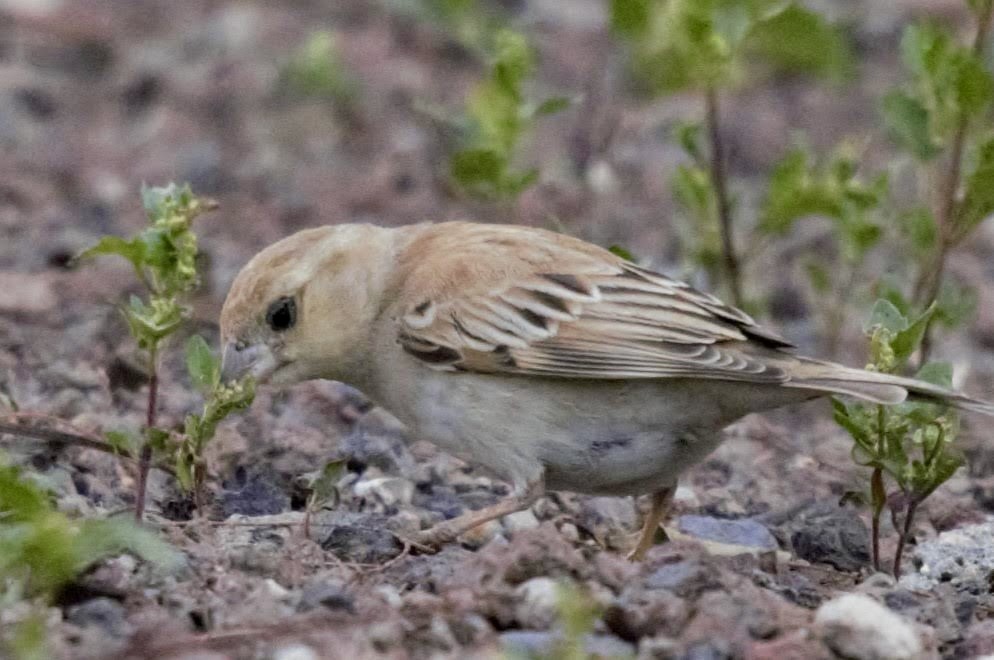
(105, 613)
(856, 626)
(387, 491)
(363, 539)
(832, 535)
(520, 520)
(539, 598)
(686, 578)
(534, 643)
(295, 652)
(252, 494)
(743, 532)
(329, 594)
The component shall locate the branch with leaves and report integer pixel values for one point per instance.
(710, 46)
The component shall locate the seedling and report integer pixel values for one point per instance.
(910, 446)
(323, 487)
(222, 399)
(164, 260)
(43, 550)
(497, 116)
(316, 71)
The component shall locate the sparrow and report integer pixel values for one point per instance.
(548, 361)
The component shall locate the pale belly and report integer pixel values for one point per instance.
(599, 437)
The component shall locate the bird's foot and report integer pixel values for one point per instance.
(645, 541)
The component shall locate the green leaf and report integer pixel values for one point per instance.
(978, 201)
(908, 122)
(122, 442)
(204, 368)
(885, 315)
(797, 39)
(474, 166)
(907, 341)
(620, 251)
(552, 105)
(133, 250)
(630, 18)
(937, 373)
(324, 488)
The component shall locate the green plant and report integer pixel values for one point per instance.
(710, 46)
(164, 259)
(221, 399)
(43, 550)
(909, 446)
(801, 188)
(941, 117)
(497, 116)
(316, 70)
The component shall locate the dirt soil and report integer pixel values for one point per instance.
(98, 96)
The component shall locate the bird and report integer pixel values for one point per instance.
(550, 362)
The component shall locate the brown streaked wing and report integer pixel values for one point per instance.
(601, 319)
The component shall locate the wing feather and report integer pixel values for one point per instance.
(526, 302)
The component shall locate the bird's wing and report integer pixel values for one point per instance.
(516, 301)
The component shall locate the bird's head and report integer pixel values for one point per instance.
(302, 307)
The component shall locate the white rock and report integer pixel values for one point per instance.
(295, 652)
(386, 490)
(539, 598)
(856, 626)
(275, 589)
(520, 520)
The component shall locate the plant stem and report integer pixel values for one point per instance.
(720, 181)
(876, 485)
(949, 235)
(909, 516)
(145, 458)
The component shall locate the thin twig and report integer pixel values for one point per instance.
(949, 235)
(720, 182)
(68, 435)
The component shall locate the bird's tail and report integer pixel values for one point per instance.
(877, 387)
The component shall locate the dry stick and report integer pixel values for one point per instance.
(74, 436)
(145, 459)
(719, 180)
(930, 279)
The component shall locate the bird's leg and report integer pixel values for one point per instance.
(449, 530)
(661, 501)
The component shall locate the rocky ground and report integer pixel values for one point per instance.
(97, 97)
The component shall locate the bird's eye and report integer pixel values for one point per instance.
(282, 314)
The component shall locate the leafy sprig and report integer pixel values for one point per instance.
(909, 445)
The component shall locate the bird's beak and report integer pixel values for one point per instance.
(256, 360)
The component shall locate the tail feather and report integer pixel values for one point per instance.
(879, 388)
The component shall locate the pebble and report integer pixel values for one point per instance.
(388, 491)
(329, 594)
(295, 652)
(538, 643)
(856, 626)
(832, 535)
(742, 532)
(105, 613)
(539, 598)
(520, 520)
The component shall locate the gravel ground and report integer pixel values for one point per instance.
(97, 97)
